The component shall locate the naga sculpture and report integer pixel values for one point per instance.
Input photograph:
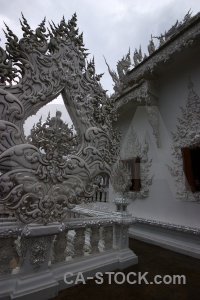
(123, 66)
(35, 70)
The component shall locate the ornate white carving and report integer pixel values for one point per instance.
(38, 248)
(133, 148)
(176, 227)
(123, 66)
(186, 32)
(187, 135)
(152, 110)
(139, 94)
(38, 188)
(144, 93)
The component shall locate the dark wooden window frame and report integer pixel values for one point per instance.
(134, 166)
(191, 167)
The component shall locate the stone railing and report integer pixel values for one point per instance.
(101, 195)
(6, 215)
(35, 259)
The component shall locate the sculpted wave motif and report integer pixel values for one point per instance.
(39, 183)
(133, 148)
(186, 135)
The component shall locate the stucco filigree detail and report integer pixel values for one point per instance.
(170, 226)
(185, 32)
(123, 66)
(34, 70)
(187, 135)
(153, 117)
(39, 247)
(133, 148)
(144, 93)
(139, 94)
(121, 179)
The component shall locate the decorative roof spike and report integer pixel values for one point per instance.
(91, 67)
(187, 17)
(98, 76)
(50, 33)
(26, 27)
(12, 39)
(63, 25)
(41, 29)
(112, 73)
(54, 25)
(53, 29)
(72, 26)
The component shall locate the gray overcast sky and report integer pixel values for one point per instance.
(110, 27)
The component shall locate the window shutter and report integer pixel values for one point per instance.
(134, 166)
(187, 167)
(136, 178)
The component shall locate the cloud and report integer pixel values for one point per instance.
(109, 27)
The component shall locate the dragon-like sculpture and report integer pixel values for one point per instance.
(123, 66)
(34, 70)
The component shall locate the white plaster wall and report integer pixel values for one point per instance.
(162, 204)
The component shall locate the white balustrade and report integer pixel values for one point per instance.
(34, 258)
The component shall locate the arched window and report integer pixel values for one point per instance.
(133, 166)
(191, 167)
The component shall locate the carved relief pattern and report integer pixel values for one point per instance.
(94, 239)
(39, 247)
(133, 149)
(153, 112)
(143, 64)
(107, 235)
(145, 93)
(7, 254)
(166, 50)
(123, 66)
(139, 94)
(34, 70)
(187, 135)
(170, 226)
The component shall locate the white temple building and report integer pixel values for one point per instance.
(64, 213)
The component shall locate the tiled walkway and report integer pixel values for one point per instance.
(155, 261)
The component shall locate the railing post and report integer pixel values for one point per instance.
(79, 242)
(35, 253)
(59, 247)
(107, 236)
(121, 237)
(94, 239)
